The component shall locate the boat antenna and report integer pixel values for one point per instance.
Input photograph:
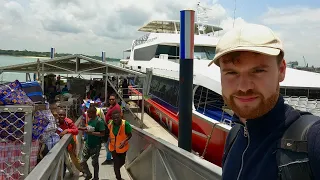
(234, 12)
(202, 18)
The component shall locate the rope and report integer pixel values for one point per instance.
(209, 137)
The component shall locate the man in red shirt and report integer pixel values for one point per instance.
(113, 106)
(66, 124)
(68, 127)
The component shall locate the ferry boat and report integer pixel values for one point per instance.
(211, 119)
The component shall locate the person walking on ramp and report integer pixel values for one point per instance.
(119, 134)
(95, 130)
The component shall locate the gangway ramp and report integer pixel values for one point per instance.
(149, 158)
(106, 171)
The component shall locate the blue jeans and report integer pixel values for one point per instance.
(109, 155)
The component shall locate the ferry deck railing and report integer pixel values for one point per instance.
(131, 96)
(135, 111)
(149, 157)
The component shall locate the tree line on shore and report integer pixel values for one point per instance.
(44, 54)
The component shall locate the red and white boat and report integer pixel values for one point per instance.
(159, 50)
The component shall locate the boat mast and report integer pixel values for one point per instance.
(234, 12)
(202, 18)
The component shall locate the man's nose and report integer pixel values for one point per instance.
(245, 83)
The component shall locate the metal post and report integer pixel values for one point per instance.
(106, 86)
(103, 56)
(52, 52)
(27, 140)
(38, 69)
(142, 108)
(42, 78)
(147, 81)
(186, 79)
(77, 64)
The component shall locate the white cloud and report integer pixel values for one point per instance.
(298, 27)
(78, 26)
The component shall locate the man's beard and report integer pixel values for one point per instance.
(261, 109)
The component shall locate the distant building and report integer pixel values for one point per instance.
(293, 64)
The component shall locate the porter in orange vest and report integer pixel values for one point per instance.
(119, 134)
(115, 141)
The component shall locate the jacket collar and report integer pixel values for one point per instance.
(268, 122)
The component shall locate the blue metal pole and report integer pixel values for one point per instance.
(52, 52)
(103, 56)
(186, 79)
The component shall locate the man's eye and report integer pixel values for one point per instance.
(231, 73)
(259, 70)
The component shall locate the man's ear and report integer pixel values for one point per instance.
(282, 70)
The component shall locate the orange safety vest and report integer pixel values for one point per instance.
(115, 141)
(73, 144)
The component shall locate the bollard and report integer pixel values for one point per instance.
(186, 79)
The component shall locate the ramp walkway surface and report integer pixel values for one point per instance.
(105, 171)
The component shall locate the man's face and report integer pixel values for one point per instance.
(112, 100)
(61, 115)
(250, 83)
(91, 113)
(116, 118)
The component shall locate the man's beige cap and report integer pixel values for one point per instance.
(249, 37)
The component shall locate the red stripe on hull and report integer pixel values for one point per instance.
(201, 130)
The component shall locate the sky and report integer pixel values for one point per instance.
(89, 27)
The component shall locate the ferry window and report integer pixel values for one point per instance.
(145, 53)
(200, 52)
(296, 92)
(139, 82)
(314, 94)
(206, 99)
(283, 91)
(165, 89)
(203, 52)
(172, 51)
(210, 104)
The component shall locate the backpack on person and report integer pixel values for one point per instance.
(292, 148)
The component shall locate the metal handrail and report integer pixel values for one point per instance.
(178, 157)
(48, 164)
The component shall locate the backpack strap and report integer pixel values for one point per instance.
(295, 137)
(292, 153)
(230, 140)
